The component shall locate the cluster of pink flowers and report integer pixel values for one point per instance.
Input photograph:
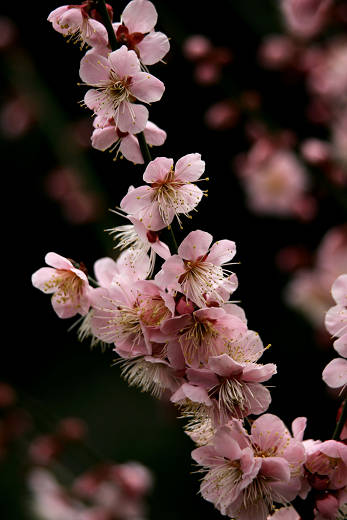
(119, 79)
(174, 328)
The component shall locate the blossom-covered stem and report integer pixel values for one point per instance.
(341, 422)
(144, 148)
(100, 5)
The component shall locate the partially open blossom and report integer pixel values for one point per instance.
(171, 191)
(68, 285)
(197, 270)
(110, 137)
(118, 82)
(74, 22)
(247, 473)
(136, 31)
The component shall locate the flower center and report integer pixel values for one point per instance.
(69, 286)
(201, 279)
(153, 311)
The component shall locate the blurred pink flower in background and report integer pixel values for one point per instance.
(275, 181)
(309, 289)
(305, 18)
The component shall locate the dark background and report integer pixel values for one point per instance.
(57, 376)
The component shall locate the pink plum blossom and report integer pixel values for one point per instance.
(247, 473)
(231, 381)
(74, 22)
(197, 270)
(69, 286)
(326, 464)
(110, 137)
(136, 31)
(202, 334)
(127, 316)
(171, 191)
(118, 82)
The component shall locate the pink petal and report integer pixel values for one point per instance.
(64, 310)
(224, 365)
(221, 252)
(151, 217)
(153, 47)
(188, 197)
(336, 320)
(202, 377)
(258, 373)
(268, 431)
(55, 16)
(195, 245)
(157, 170)
(161, 249)
(42, 279)
(97, 34)
(131, 117)
(275, 467)
(225, 445)
(206, 456)
(105, 269)
(258, 397)
(193, 393)
(137, 199)
(298, 428)
(189, 168)
(175, 356)
(103, 138)
(58, 261)
(139, 16)
(335, 373)
(92, 100)
(146, 87)
(125, 63)
(130, 148)
(340, 345)
(171, 326)
(94, 68)
(339, 290)
(154, 135)
(170, 272)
